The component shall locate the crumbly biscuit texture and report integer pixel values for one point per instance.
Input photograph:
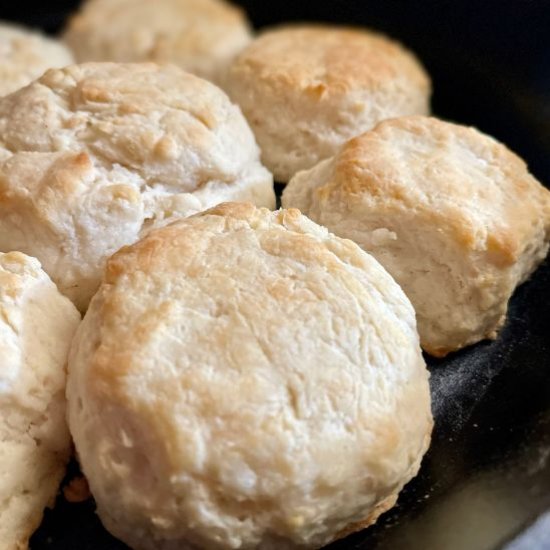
(36, 327)
(306, 90)
(244, 379)
(451, 213)
(25, 55)
(94, 155)
(200, 36)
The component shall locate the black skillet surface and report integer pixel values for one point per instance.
(485, 483)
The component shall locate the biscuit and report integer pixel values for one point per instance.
(25, 55)
(36, 327)
(306, 90)
(244, 379)
(451, 213)
(200, 36)
(94, 155)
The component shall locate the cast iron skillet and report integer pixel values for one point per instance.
(485, 483)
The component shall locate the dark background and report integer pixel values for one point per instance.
(486, 478)
(489, 60)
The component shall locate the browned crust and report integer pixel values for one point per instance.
(440, 353)
(364, 168)
(350, 58)
(379, 509)
(77, 490)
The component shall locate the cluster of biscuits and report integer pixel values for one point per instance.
(243, 377)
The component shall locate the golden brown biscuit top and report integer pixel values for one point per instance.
(324, 61)
(156, 120)
(469, 183)
(263, 248)
(168, 15)
(195, 34)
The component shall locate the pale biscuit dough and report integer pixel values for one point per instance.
(36, 327)
(244, 379)
(200, 36)
(451, 213)
(306, 90)
(25, 55)
(94, 155)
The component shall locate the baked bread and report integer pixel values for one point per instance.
(306, 90)
(36, 327)
(200, 36)
(93, 155)
(244, 379)
(451, 213)
(25, 55)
